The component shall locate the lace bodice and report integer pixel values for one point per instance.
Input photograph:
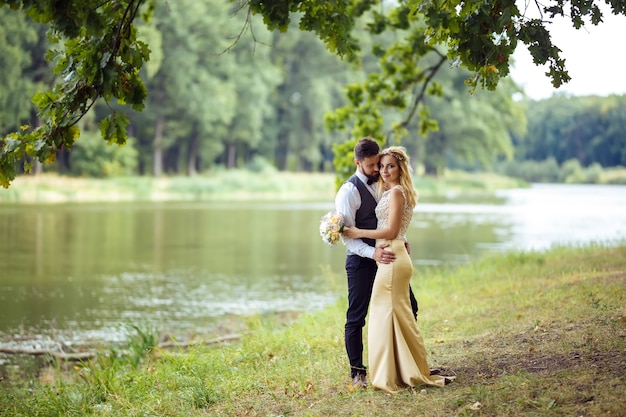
(382, 213)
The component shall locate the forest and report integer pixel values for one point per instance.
(222, 89)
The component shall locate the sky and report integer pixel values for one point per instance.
(594, 57)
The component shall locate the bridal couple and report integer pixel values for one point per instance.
(377, 203)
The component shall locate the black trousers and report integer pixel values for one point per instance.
(361, 273)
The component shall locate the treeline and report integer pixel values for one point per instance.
(572, 140)
(224, 91)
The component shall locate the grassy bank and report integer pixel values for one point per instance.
(527, 334)
(222, 185)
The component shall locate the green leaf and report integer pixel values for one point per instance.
(114, 128)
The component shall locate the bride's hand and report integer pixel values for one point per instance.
(352, 232)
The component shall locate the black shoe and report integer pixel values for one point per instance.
(436, 371)
(358, 381)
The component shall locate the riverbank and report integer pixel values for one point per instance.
(224, 185)
(526, 333)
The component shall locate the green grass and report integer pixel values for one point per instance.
(528, 334)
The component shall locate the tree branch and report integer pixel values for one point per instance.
(419, 98)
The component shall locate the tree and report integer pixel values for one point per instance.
(102, 55)
(98, 57)
(184, 105)
(477, 36)
(476, 128)
(310, 86)
(16, 37)
(588, 129)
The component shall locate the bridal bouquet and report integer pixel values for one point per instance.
(331, 227)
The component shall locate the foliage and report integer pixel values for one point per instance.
(477, 129)
(532, 171)
(260, 165)
(615, 175)
(344, 160)
(98, 54)
(497, 330)
(16, 86)
(191, 71)
(331, 22)
(479, 36)
(92, 157)
(570, 172)
(589, 129)
(310, 85)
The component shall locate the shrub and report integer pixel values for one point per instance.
(93, 157)
(572, 172)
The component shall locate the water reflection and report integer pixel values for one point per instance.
(78, 272)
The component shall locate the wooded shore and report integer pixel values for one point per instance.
(223, 185)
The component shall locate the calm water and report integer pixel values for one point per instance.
(77, 273)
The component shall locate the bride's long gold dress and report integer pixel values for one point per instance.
(396, 352)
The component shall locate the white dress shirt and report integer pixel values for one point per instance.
(347, 202)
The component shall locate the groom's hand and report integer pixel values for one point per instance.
(383, 256)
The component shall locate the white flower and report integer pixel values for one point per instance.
(331, 227)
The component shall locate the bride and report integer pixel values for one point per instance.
(397, 356)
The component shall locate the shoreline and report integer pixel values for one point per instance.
(239, 186)
(236, 185)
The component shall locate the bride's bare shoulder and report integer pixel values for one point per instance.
(397, 192)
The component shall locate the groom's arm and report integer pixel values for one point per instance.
(347, 202)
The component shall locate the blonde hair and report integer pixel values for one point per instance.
(406, 180)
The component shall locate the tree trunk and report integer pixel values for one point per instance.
(158, 147)
(281, 150)
(231, 156)
(192, 157)
(37, 166)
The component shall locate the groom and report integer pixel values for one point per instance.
(356, 200)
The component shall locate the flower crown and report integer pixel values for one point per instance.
(392, 153)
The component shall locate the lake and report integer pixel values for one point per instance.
(79, 273)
